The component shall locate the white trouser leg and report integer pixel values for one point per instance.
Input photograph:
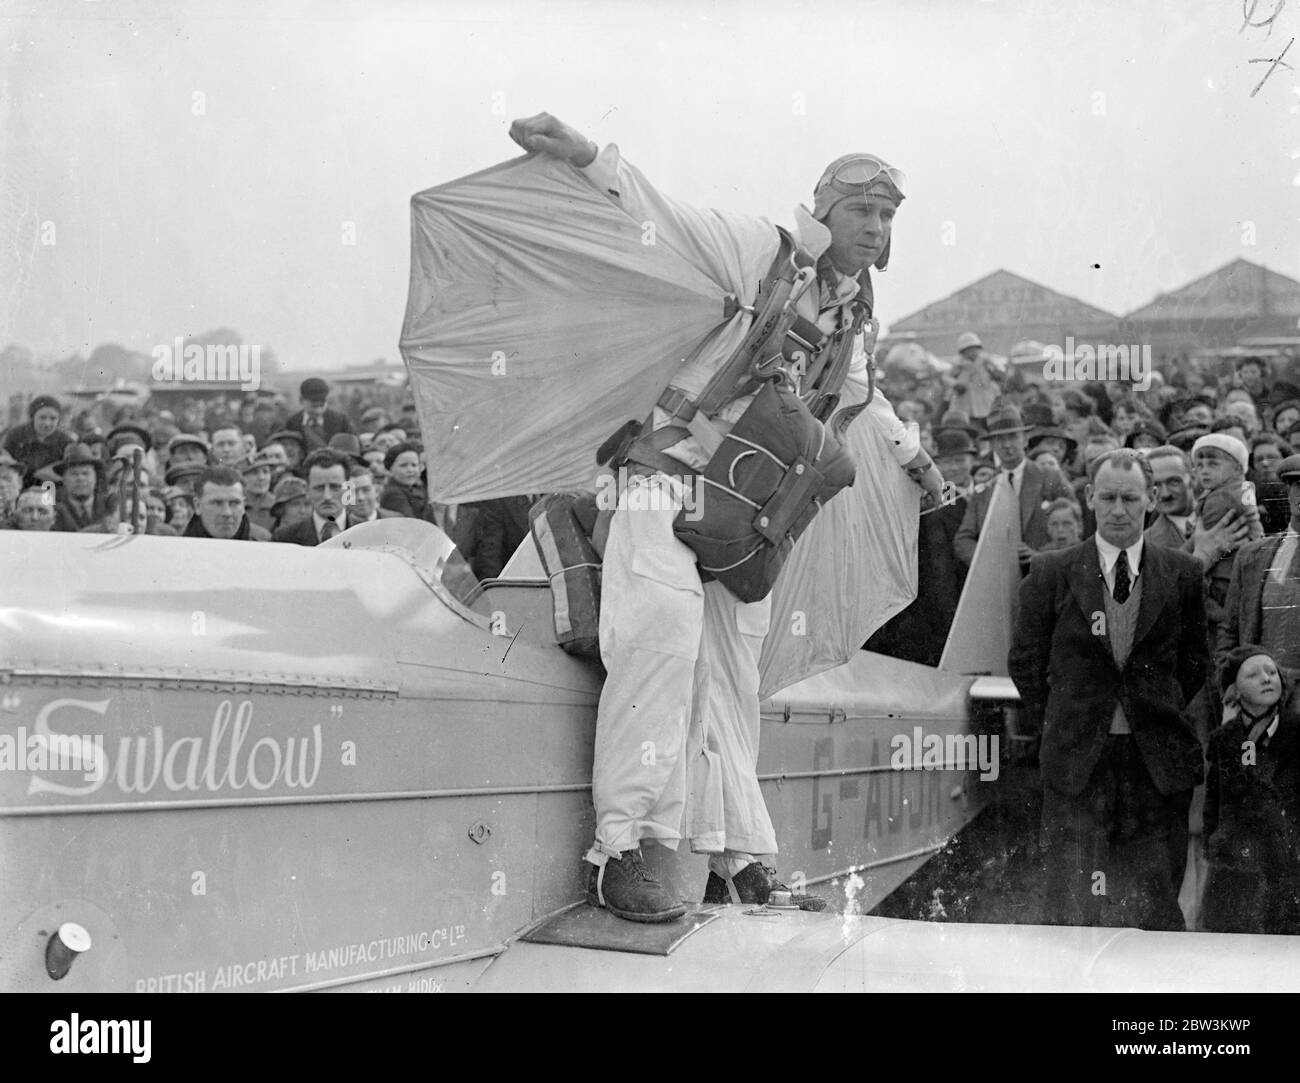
(725, 729)
(650, 617)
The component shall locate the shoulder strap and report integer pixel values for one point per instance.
(771, 307)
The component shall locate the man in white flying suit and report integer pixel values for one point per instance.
(678, 725)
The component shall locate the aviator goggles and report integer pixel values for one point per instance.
(855, 174)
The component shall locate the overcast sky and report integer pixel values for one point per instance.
(202, 164)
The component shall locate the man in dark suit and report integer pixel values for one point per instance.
(326, 480)
(1034, 486)
(317, 423)
(1263, 603)
(1109, 647)
(219, 508)
(81, 503)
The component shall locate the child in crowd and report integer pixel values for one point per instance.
(1252, 800)
(1219, 463)
(1064, 524)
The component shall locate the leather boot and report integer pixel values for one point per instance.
(755, 884)
(625, 887)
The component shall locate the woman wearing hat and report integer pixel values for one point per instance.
(290, 506)
(39, 442)
(1252, 800)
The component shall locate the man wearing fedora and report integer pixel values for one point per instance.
(1034, 486)
(316, 423)
(347, 445)
(82, 503)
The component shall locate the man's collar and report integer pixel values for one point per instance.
(1110, 553)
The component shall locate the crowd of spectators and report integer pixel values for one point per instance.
(248, 468)
(1221, 443)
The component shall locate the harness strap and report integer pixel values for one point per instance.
(771, 307)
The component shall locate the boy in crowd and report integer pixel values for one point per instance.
(1219, 464)
(1064, 524)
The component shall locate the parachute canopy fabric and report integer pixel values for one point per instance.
(852, 570)
(538, 321)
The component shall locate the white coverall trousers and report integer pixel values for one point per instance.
(678, 726)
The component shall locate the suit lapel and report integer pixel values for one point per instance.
(1156, 591)
(1087, 584)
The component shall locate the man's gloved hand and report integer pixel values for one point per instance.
(546, 134)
